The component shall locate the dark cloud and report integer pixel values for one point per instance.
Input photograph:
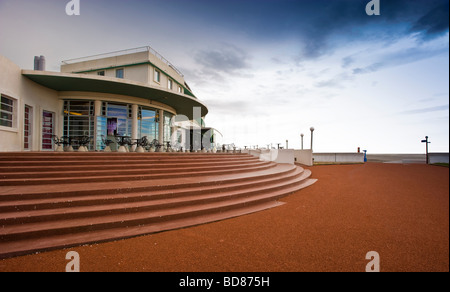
(433, 23)
(227, 59)
(315, 22)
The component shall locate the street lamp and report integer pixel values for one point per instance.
(312, 131)
(287, 144)
(301, 135)
(426, 141)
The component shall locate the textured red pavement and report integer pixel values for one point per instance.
(399, 211)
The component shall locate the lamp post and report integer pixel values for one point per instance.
(301, 135)
(287, 144)
(426, 142)
(312, 131)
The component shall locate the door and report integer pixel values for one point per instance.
(27, 127)
(47, 130)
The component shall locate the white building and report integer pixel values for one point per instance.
(133, 93)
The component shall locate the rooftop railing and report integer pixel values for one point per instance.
(122, 53)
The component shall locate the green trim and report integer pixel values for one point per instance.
(186, 91)
(181, 103)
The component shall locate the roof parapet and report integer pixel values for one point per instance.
(124, 52)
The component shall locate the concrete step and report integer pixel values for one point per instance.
(95, 156)
(67, 206)
(99, 177)
(54, 191)
(27, 246)
(120, 170)
(137, 218)
(55, 214)
(45, 201)
(114, 165)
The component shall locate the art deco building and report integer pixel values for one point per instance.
(133, 93)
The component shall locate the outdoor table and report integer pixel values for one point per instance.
(122, 140)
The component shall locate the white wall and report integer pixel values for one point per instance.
(25, 92)
(338, 157)
(304, 157)
(278, 156)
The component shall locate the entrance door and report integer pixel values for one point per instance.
(112, 128)
(47, 130)
(27, 127)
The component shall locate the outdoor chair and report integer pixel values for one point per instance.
(141, 144)
(58, 142)
(84, 142)
(107, 142)
(67, 143)
(155, 146)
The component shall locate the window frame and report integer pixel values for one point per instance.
(123, 73)
(157, 76)
(13, 113)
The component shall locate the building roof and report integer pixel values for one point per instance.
(183, 104)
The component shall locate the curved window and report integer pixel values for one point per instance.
(148, 124)
(167, 127)
(79, 120)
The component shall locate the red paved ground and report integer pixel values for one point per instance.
(400, 211)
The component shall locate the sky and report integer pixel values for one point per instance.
(268, 70)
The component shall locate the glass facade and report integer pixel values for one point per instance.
(147, 123)
(114, 119)
(79, 120)
(167, 127)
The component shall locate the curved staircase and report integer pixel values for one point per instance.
(58, 200)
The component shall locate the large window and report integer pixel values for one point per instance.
(147, 123)
(167, 127)
(119, 119)
(79, 120)
(7, 111)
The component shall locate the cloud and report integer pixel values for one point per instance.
(426, 110)
(403, 54)
(227, 107)
(369, 69)
(335, 82)
(227, 59)
(434, 23)
(347, 61)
